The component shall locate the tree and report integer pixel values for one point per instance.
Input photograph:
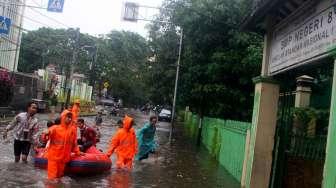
(121, 59)
(218, 62)
(45, 45)
(126, 67)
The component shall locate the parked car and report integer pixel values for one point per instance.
(157, 109)
(107, 106)
(164, 115)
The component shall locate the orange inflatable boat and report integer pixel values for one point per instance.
(93, 162)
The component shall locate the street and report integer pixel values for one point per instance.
(249, 86)
(176, 165)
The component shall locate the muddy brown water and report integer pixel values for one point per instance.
(179, 164)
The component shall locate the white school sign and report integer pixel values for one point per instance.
(305, 37)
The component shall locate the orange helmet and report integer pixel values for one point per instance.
(77, 101)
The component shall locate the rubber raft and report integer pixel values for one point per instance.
(93, 162)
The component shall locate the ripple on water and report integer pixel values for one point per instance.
(177, 165)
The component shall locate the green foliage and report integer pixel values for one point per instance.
(127, 56)
(305, 117)
(52, 46)
(218, 61)
(121, 59)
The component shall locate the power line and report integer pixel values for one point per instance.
(21, 15)
(26, 17)
(27, 30)
(10, 43)
(24, 29)
(17, 43)
(9, 40)
(33, 20)
(36, 3)
(19, 27)
(53, 19)
(56, 21)
(23, 5)
(30, 18)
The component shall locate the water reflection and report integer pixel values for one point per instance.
(120, 179)
(177, 165)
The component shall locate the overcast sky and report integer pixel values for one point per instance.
(93, 17)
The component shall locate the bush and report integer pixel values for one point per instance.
(310, 121)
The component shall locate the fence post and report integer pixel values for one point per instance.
(186, 113)
(247, 151)
(265, 109)
(199, 135)
(329, 172)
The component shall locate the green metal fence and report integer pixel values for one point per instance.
(191, 122)
(308, 148)
(232, 149)
(224, 139)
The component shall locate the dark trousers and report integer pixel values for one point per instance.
(83, 146)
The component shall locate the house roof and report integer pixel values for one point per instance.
(280, 9)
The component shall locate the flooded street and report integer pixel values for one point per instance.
(179, 164)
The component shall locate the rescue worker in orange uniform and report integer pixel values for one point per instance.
(75, 110)
(125, 144)
(63, 141)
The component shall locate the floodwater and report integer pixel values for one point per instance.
(179, 164)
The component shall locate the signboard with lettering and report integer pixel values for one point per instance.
(106, 85)
(5, 24)
(309, 36)
(55, 5)
(130, 12)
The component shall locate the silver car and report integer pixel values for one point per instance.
(164, 115)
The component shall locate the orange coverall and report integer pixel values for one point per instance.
(75, 110)
(125, 144)
(63, 141)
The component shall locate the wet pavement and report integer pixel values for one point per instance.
(179, 164)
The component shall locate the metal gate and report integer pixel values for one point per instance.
(297, 158)
(282, 137)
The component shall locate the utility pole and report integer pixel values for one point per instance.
(44, 54)
(93, 51)
(93, 67)
(73, 62)
(131, 12)
(176, 84)
(18, 45)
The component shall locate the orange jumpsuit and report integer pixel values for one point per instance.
(125, 144)
(63, 141)
(75, 111)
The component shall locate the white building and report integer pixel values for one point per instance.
(10, 44)
(79, 89)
